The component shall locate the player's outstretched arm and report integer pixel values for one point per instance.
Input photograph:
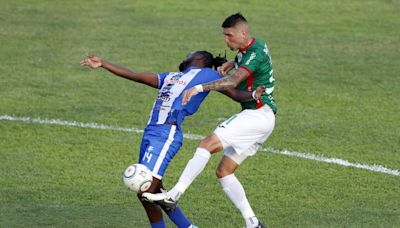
(94, 62)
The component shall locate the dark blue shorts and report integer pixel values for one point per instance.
(160, 143)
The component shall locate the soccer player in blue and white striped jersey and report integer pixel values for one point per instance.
(163, 135)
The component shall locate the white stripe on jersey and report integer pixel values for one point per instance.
(176, 91)
(163, 152)
(159, 87)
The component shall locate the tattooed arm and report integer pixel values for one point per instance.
(219, 85)
(227, 82)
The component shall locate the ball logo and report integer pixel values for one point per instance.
(142, 173)
(130, 172)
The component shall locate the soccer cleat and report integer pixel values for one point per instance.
(260, 225)
(161, 199)
(251, 223)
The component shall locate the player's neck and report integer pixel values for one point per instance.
(248, 41)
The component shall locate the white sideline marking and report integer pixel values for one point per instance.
(338, 161)
(374, 168)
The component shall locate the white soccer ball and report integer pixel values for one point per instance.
(138, 177)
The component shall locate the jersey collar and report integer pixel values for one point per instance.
(189, 68)
(245, 48)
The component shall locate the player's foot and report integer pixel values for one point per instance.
(260, 225)
(253, 222)
(161, 199)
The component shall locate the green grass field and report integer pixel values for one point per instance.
(338, 91)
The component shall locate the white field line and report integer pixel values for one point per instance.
(374, 168)
(338, 161)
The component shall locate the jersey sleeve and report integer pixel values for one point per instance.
(161, 77)
(250, 62)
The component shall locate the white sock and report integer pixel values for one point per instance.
(251, 222)
(235, 192)
(192, 170)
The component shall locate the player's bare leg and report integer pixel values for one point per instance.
(226, 167)
(211, 143)
(153, 211)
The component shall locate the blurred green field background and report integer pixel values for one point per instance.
(337, 66)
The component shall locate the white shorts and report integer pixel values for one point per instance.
(243, 133)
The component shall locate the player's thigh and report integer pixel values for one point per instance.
(250, 123)
(211, 143)
(234, 156)
(245, 130)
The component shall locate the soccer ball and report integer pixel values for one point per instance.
(137, 177)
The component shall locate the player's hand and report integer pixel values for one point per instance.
(259, 92)
(92, 61)
(225, 68)
(188, 94)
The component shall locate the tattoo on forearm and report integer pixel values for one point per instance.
(222, 84)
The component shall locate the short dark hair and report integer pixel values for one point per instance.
(233, 20)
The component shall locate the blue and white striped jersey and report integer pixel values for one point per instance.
(168, 105)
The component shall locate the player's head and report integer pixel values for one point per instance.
(200, 59)
(236, 31)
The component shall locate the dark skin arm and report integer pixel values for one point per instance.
(244, 96)
(94, 62)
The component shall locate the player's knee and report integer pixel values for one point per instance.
(211, 143)
(155, 186)
(221, 172)
(205, 143)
